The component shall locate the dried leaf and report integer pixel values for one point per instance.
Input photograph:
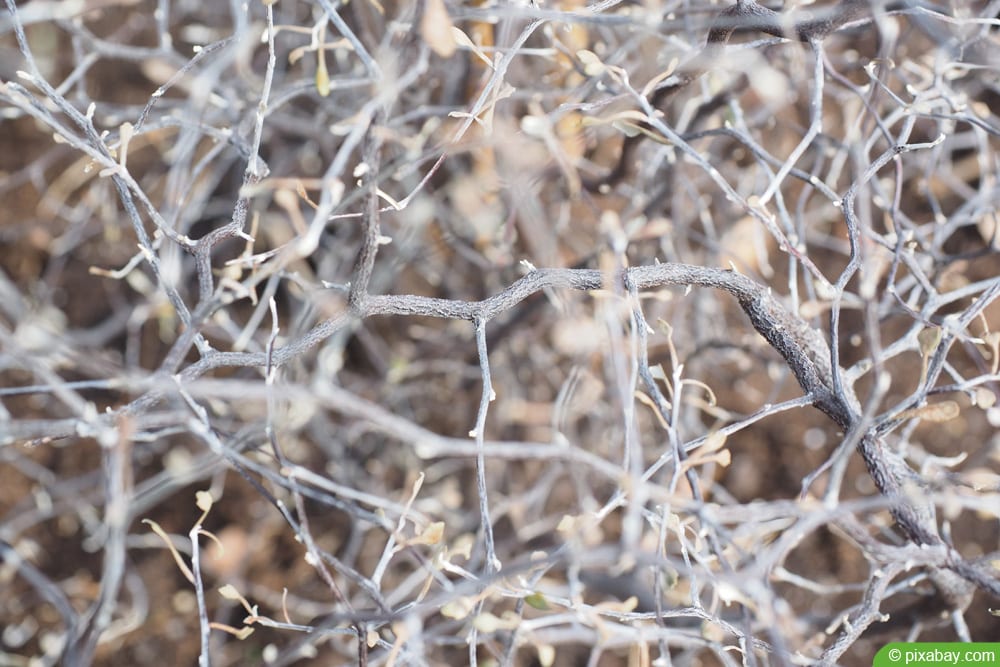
(929, 339)
(712, 400)
(642, 397)
(624, 607)
(181, 565)
(936, 412)
(981, 479)
(648, 89)
(431, 534)
(713, 443)
(437, 29)
(628, 128)
(241, 633)
(567, 524)
(592, 65)
(462, 39)
(230, 593)
(125, 133)
(203, 499)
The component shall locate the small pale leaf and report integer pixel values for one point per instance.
(203, 499)
(230, 593)
(546, 655)
(457, 609)
(567, 523)
(985, 398)
(929, 339)
(322, 76)
(487, 622)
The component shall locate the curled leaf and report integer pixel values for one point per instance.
(181, 565)
(241, 633)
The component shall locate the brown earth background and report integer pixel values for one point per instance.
(343, 475)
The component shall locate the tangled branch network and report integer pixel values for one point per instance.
(279, 375)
